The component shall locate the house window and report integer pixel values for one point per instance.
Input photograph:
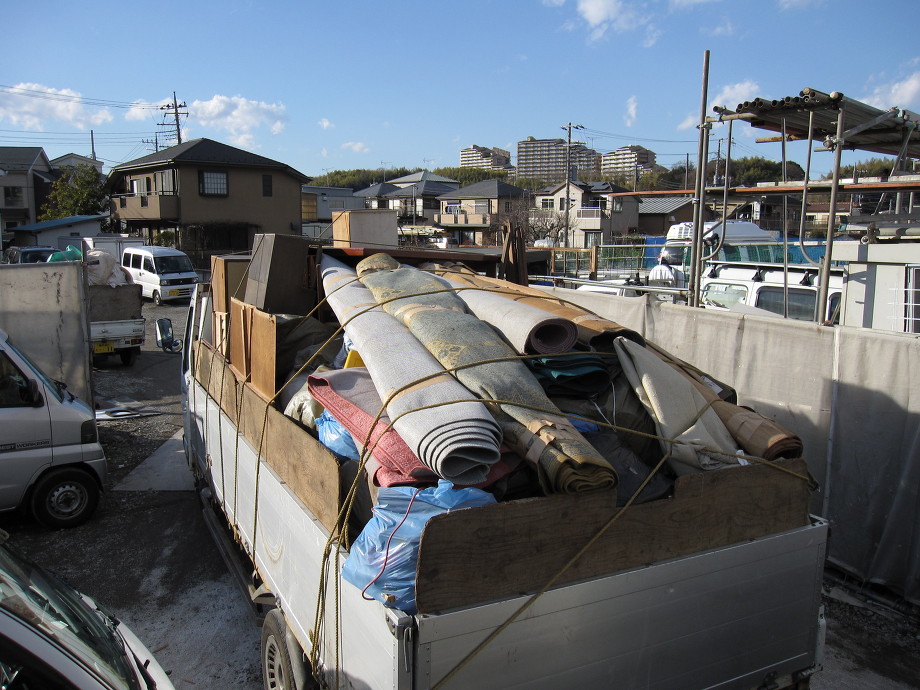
(13, 196)
(165, 181)
(593, 238)
(507, 207)
(337, 204)
(212, 183)
(546, 204)
(266, 185)
(616, 204)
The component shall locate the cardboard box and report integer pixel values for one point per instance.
(229, 275)
(279, 275)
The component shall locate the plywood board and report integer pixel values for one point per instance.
(482, 554)
(228, 279)
(263, 352)
(301, 461)
(240, 334)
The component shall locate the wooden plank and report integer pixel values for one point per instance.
(264, 342)
(240, 334)
(302, 462)
(481, 554)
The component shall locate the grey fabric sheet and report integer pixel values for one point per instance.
(674, 402)
(528, 329)
(532, 425)
(459, 440)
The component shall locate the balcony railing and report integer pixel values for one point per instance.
(146, 206)
(463, 218)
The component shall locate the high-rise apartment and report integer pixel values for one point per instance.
(627, 160)
(546, 158)
(482, 157)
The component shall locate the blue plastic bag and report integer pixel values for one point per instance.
(383, 558)
(336, 437)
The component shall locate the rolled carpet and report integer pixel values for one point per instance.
(593, 330)
(528, 329)
(458, 439)
(680, 411)
(532, 425)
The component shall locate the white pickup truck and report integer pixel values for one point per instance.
(717, 586)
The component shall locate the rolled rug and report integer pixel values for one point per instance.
(680, 411)
(532, 425)
(593, 330)
(528, 329)
(458, 440)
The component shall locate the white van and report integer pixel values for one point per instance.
(162, 272)
(51, 459)
(737, 232)
(762, 289)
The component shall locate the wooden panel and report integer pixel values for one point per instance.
(302, 462)
(264, 349)
(228, 279)
(215, 375)
(482, 554)
(240, 334)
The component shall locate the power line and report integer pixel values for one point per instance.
(83, 100)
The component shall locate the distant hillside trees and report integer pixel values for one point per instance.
(358, 179)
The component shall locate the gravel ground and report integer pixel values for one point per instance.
(148, 557)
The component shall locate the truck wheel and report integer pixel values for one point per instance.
(281, 669)
(65, 497)
(157, 300)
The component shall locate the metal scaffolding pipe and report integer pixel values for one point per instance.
(702, 154)
(831, 217)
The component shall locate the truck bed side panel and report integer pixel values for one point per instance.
(724, 618)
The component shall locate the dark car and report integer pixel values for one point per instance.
(28, 255)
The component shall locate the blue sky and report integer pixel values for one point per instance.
(348, 84)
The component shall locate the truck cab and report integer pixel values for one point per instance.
(51, 461)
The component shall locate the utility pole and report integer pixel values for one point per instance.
(568, 176)
(174, 107)
(92, 144)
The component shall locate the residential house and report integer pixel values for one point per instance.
(26, 176)
(375, 196)
(59, 232)
(213, 196)
(319, 205)
(73, 160)
(585, 214)
(417, 204)
(423, 176)
(473, 215)
(658, 213)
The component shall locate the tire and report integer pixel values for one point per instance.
(129, 355)
(279, 670)
(64, 497)
(157, 300)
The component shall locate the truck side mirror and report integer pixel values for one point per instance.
(165, 339)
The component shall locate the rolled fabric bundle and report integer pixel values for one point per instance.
(459, 440)
(756, 434)
(593, 330)
(679, 409)
(528, 329)
(532, 425)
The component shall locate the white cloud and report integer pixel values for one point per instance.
(726, 28)
(632, 105)
(356, 146)
(325, 124)
(238, 117)
(900, 94)
(797, 4)
(143, 110)
(554, 3)
(324, 152)
(602, 15)
(33, 106)
(733, 94)
(684, 4)
(652, 34)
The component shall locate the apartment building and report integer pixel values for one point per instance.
(546, 159)
(627, 160)
(482, 157)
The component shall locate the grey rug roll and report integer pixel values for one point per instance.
(459, 440)
(528, 329)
